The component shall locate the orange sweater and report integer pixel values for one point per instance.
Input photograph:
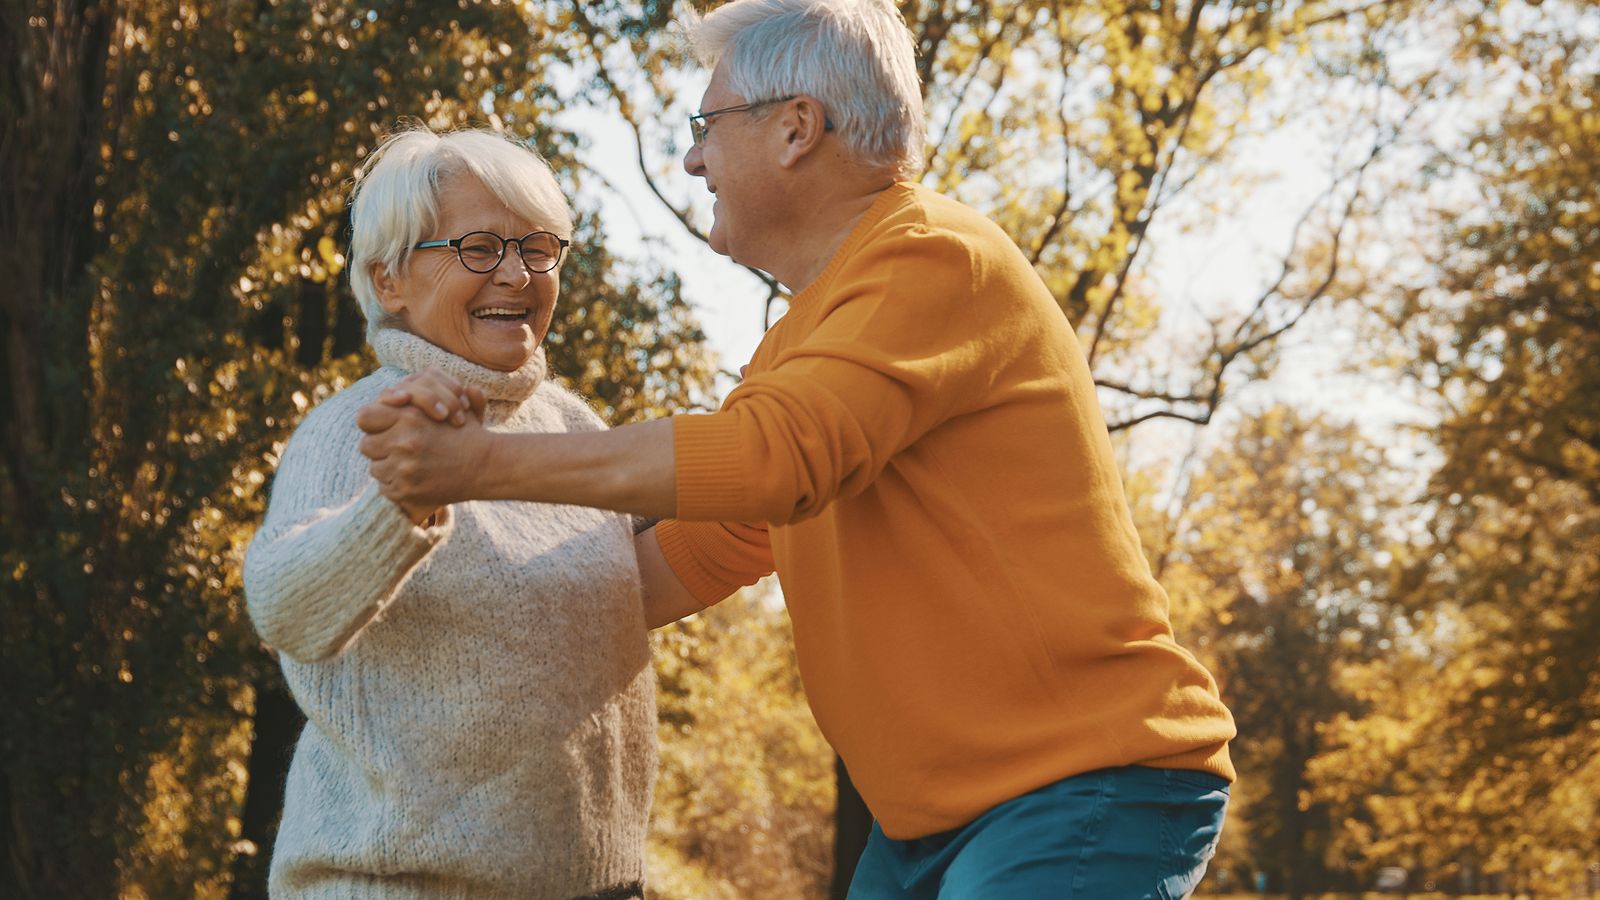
(972, 613)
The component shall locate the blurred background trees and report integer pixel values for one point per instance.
(174, 226)
(1394, 569)
(1485, 723)
(1278, 559)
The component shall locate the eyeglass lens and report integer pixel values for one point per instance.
(481, 251)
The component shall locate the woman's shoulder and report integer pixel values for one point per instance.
(336, 414)
(576, 414)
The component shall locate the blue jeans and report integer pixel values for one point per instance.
(1131, 832)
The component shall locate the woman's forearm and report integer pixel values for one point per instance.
(313, 585)
(666, 600)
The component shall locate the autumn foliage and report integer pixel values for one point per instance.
(1399, 590)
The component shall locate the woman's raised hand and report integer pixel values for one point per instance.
(434, 397)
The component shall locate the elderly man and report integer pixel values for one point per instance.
(918, 452)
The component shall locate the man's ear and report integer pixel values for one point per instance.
(805, 124)
(388, 290)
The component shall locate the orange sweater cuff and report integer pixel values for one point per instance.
(677, 546)
(706, 453)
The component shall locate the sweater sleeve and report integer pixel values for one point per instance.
(898, 348)
(332, 551)
(714, 559)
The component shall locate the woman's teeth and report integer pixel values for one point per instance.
(498, 313)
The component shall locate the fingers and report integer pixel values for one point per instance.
(420, 463)
(439, 396)
(377, 417)
(477, 401)
(382, 424)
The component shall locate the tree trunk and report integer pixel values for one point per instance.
(276, 727)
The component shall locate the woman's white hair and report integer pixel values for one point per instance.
(856, 56)
(396, 199)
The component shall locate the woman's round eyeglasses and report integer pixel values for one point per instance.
(481, 251)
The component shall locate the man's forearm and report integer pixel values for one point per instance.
(627, 469)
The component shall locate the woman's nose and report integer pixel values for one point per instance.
(513, 269)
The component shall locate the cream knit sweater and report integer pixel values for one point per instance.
(479, 698)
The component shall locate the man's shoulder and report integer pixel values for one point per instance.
(919, 211)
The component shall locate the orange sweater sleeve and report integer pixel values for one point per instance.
(873, 373)
(714, 559)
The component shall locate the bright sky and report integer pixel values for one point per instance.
(727, 297)
(1203, 258)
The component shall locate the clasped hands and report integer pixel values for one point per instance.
(427, 443)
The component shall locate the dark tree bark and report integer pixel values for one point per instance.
(274, 732)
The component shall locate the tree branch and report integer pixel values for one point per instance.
(625, 107)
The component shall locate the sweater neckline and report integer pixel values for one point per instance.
(410, 353)
(892, 194)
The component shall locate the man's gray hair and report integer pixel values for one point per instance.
(856, 56)
(396, 199)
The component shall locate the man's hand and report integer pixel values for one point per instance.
(419, 463)
(436, 394)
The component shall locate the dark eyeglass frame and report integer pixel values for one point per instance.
(455, 243)
(700, 123)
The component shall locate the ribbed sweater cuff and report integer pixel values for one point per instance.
(710, 483)
(394, 539)
(687, 562)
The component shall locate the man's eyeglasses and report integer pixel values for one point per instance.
(481, 251)
(700, 123)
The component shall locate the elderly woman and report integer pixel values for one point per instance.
(475, 678)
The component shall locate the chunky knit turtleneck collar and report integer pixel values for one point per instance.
(404, 350)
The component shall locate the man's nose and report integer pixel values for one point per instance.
(694, 162)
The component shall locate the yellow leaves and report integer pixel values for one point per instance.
(331, 257)
(1130, 184)
(1151, 102)
(746, 787)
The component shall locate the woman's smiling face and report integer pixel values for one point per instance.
(495, 319)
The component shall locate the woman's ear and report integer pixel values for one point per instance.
(388, 290)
